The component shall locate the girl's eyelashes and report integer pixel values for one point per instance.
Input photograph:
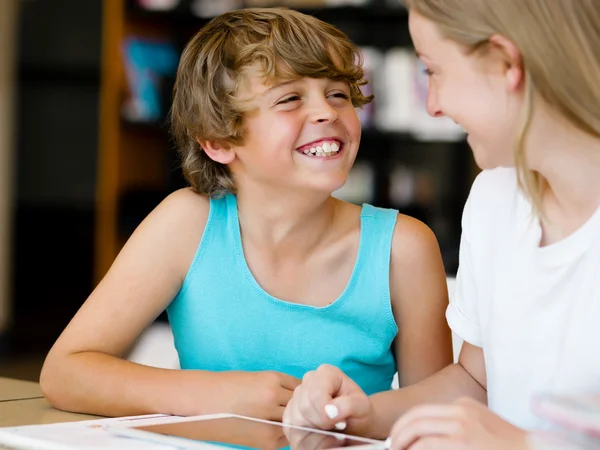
(424, 68)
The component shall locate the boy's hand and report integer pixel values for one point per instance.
(263, 395)
(464, 425)
(326, 398)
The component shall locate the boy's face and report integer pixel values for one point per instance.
(299, 134)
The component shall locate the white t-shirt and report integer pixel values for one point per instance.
(534, 310)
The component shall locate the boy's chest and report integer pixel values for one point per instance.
(318, 281)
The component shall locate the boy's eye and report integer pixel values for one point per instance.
(341, 95)
(290, 99)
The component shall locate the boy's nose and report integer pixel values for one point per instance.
(323, 114)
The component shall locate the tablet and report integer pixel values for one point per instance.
(239, 432)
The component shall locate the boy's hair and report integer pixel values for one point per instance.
(284, 43)
(560, 45)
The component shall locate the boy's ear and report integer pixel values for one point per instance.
(219, 151)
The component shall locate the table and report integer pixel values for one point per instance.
(22, 403)
(11, 389)
(35, 411)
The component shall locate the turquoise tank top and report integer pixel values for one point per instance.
(223, 320)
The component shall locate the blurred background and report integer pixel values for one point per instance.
(85, 152)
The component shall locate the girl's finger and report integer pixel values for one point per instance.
(405, 438)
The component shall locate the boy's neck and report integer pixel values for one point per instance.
(287, 221)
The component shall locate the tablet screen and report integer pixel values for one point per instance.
(238, 432)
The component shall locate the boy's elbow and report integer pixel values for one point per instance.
(52, 384)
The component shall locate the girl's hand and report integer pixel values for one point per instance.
(464, 425)
(306, 440)
(328, 399)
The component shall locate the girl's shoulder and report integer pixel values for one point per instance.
(495, 186)
(496, 203)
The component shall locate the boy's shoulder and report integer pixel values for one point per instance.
(170, 234)
(185, 202)
(183, 213)
(413, 241)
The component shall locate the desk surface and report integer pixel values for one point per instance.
(22, 403)
(35, 411)
(11, 389)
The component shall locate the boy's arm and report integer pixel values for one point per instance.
(419, 297)
(423, 347)
(85, 370)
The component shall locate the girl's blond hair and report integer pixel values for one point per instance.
(559, 42)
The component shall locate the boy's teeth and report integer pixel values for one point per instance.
(325, 149)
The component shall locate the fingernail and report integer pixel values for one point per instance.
(388, 443)
(340, 426)
(331, 411)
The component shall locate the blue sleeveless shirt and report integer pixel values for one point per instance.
(223, 320)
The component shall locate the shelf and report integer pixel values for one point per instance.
(58, 74)
(373, 25)
(334, 14)
(161, 127)
(372, 134)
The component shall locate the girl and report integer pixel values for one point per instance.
(521, 76)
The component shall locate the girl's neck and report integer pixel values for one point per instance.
(569, 162)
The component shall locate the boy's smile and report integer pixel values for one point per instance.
(329, 147)
(300, 133)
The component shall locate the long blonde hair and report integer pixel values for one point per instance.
(559, 42)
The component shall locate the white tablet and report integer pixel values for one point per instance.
(239, 432)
